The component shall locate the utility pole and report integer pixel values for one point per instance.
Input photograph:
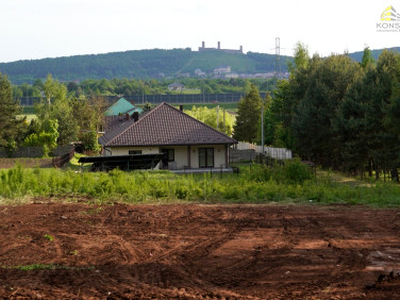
(262, 127)
(277, 57)
(217, 116)
(224, 122)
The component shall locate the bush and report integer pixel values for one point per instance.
(296, 172)
(293, 171)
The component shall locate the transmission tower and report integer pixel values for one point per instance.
(278, 72)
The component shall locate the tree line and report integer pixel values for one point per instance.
(132, 87)
(336, 112)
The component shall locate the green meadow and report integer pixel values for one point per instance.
(292, 183)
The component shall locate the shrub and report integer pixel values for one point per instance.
(296, 172)
(293, 171)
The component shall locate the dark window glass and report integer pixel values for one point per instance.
(135, 152)
(206, 157)
(170, 154)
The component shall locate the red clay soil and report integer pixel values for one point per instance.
(199, 252)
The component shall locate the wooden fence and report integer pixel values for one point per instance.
(60, 161)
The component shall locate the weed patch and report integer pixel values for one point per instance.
(33, 267)
(258, 184)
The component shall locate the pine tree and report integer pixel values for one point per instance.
(316, 112)
(249, 116)
(10, 125)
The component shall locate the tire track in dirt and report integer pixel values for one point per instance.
(199, 251)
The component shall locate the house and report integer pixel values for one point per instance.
(200, 73)
(186, 142)
(122, 107)
(222, 70)
(176, 86)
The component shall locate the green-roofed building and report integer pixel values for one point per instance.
(122, 106)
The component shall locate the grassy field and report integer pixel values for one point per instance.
(29, 117)
(230, 107)
(256, 184)
(28, 110)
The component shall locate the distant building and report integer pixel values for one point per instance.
(122, 107)
(176, 86)
(230, 51)
(199, 72)
(222, 70)
(264, 75)
(232, 75)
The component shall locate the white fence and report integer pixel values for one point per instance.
(277, 153)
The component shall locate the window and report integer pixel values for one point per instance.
(170, 154)
(206, 157)
(131, 152)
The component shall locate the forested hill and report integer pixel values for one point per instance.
(155, 63)
(357, 56)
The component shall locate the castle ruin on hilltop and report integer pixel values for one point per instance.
(230, 51)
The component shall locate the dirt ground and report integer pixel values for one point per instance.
(199, 252)
(6, 163)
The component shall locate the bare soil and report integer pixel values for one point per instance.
(199, 252)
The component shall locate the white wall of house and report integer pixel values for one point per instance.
(181, 154)
(125, 150)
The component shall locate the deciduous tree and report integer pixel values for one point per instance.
(57, 106)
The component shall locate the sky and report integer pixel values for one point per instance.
(35, 29)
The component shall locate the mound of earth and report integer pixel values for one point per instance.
(80, 251)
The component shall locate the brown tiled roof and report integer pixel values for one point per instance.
(112, 122)
(162, 126)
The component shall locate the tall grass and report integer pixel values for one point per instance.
(287, 184)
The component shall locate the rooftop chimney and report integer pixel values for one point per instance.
(135, 116)
(181, 107)
(219, 45)
(127, 116)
